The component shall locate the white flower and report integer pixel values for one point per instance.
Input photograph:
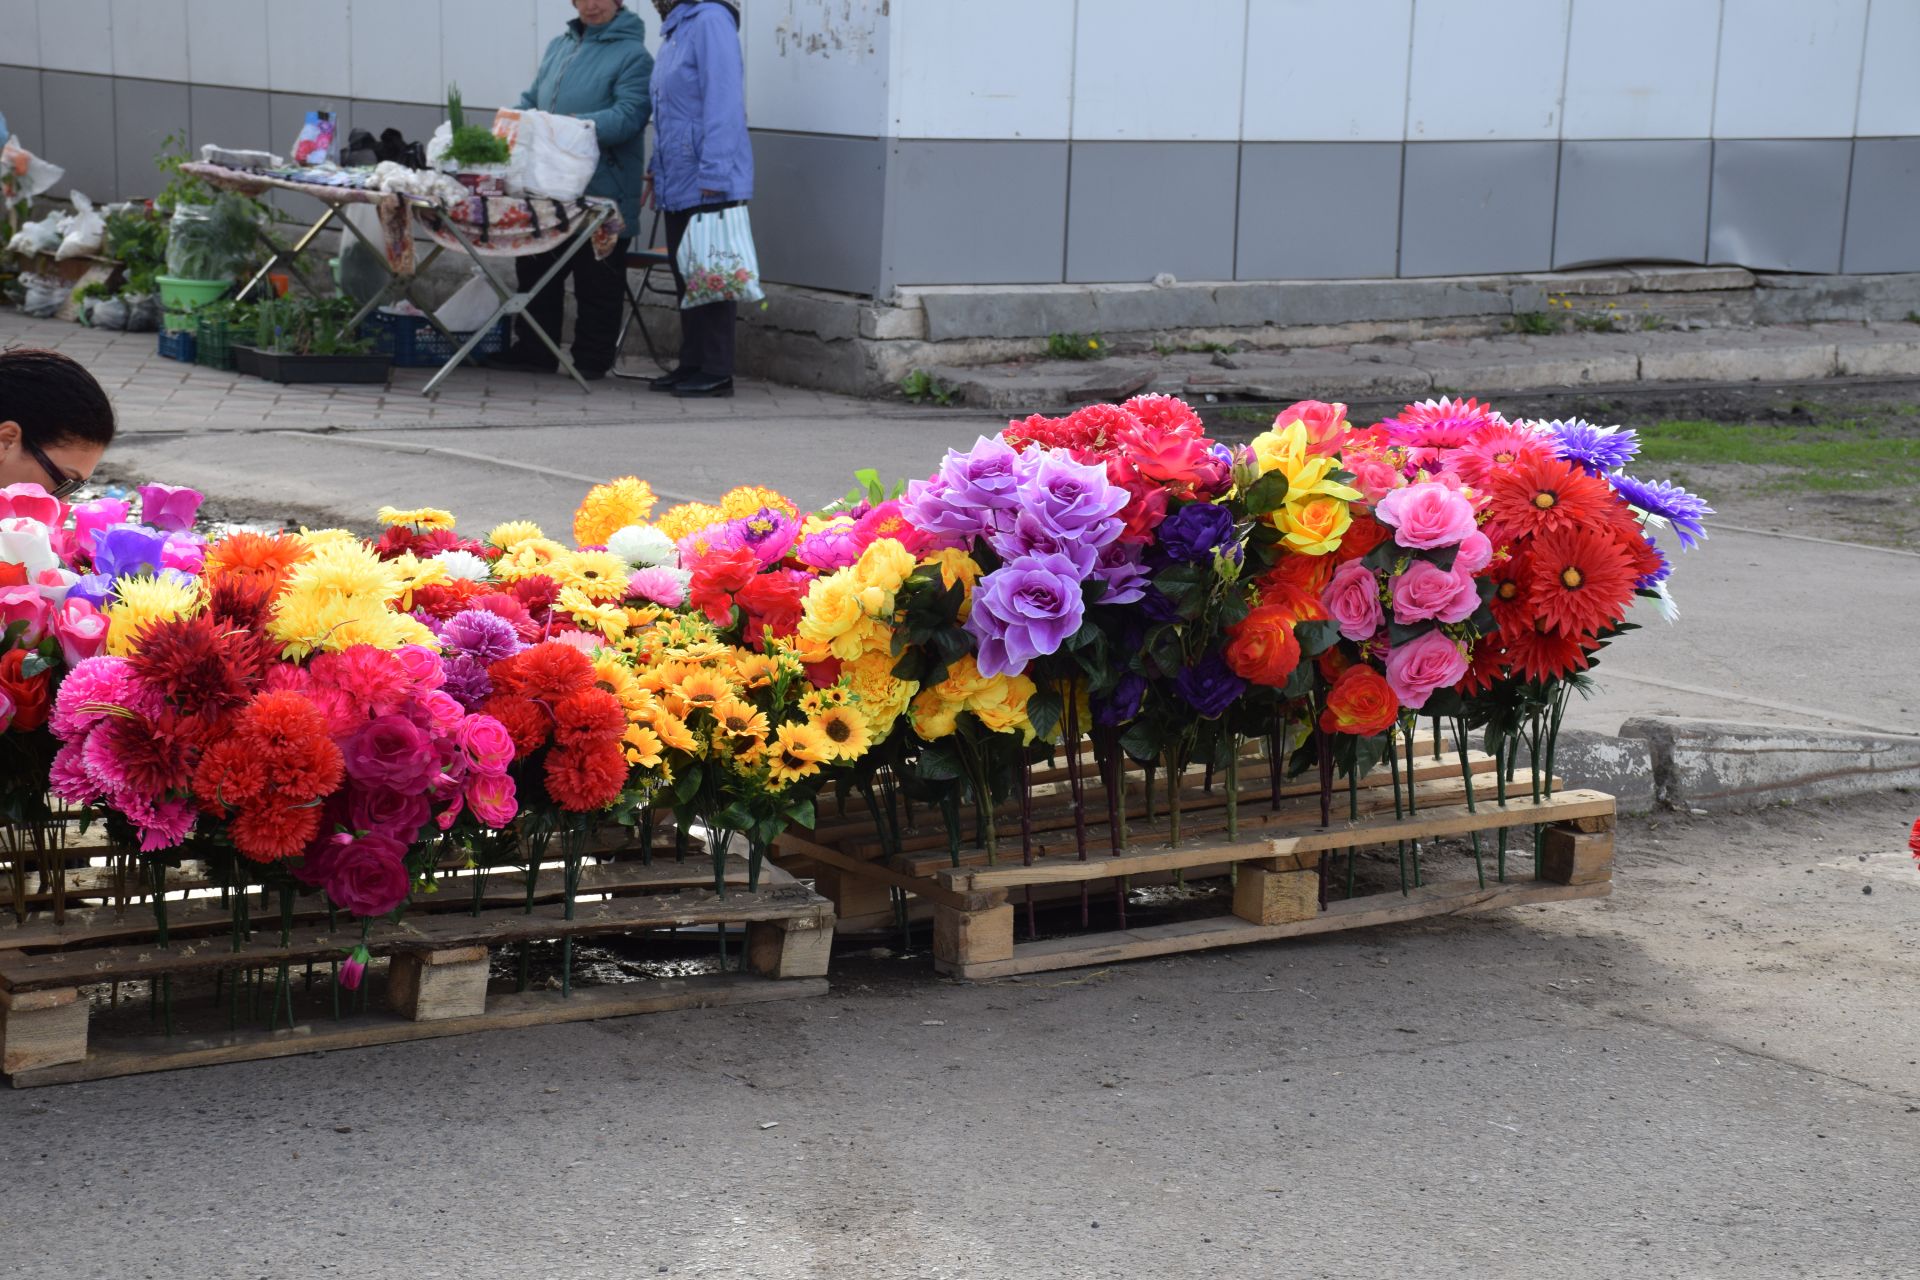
(642, 546)
(463, 565)
(26, 542)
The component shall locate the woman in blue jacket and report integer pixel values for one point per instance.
(597, 71)
(702, 162)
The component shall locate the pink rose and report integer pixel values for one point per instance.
(492, 798)
(27, 609)
(1374, 479)
(81, 630)
(1427, 662)
(486, 744)
(390, 751)
(167, 507)
(1326, 423)
(32, 502)
(444, 712)
(1476, 553)
(1426, 590)
(90, 518)
(186, 552)
(1424, 515)
(422, 664)
(368, 876)
(1353, 601)
(390, 813)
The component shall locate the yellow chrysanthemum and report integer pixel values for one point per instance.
(678, 522)
(601, 574)
(884, 564)
(738, 719)
(749, 498)
(880, 697)
(417, 517)
(643, 746)
(414, 574)
(611, 506)
(530, 557)
(797, 753)
(956, 566)
(139, 602)
(846, 730)
(514, 532)
(964, 681)
(610, 620)
(340, 596)
(934, 715)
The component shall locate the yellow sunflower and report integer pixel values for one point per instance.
(739, 719)
(754, 670)
(846, 730)
(797, 753)
(610, 620)
(705, 690)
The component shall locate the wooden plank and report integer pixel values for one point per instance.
(970, 937)
(1451, 898)
(1276, 897)
(1576, 857)
(790, 948)
(932, 890)
(51, 1035)
(135, 1056)
(1450, 820)
(29, 972)
(433, 986)
(506, 887)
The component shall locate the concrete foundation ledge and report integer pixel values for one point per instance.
(1711, 764)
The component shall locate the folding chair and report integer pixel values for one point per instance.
(646, 262)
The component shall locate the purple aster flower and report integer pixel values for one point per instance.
(467, 682)
(1595, 449)
(1209, 686)
(1073, 499)
(1024, 610)
(482, 636)
(1196, 531)
(1685, 511)
(1120, 568)
(1122, 704)
(127, 549)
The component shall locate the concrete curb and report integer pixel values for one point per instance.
(1659, 762)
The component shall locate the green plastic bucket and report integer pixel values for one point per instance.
(180, 298)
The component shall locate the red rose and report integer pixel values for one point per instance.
(368, 876)
(1362, 536)
(1360, 703)
(27, 693)
(717, 577)
(1262, 648)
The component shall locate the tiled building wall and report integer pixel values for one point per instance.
(1048, 141)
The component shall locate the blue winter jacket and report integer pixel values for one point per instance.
(600, 74)
(699, 109)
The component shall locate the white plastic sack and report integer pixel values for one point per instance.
(45, 295)
(469, 306)
(552, 155)
(717, 259)
(24, 175)
(437, 145)
(43, 236)
(88, 234)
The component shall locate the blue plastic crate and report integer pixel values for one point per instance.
(177, 346)
(415, 344)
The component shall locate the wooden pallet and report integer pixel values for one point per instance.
(436, 980)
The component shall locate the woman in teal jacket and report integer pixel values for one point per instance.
(599, 71)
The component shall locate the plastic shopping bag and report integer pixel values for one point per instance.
(88, 234)
(551, 155)
(313, 148)
(24, 175)
(717, 259)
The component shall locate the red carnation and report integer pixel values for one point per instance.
(717, 577)
(583, 779)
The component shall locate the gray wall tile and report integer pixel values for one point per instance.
(20, 104)
(76, 124)
(819, 205)
(977, 212)
(1779, 205)
(1136, 209)
(1641, 201)
(145, 112)
(1471, 207)
(1883, 212)
(237, 118)
(1318, 210)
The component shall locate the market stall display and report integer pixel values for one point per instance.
(878, 694)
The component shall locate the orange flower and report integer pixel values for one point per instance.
(1262, 647)
(264, 557)
(1360, 703)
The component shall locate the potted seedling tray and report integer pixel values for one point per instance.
(285, 367)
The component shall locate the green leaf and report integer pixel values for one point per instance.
(1044, 710)
(800, 812)
(940, 761)
(33, 664)
(686, 786)
(1382, 557)
(1141, 742)
(1399, 633)
(1316, 636)
(1443, 556)
(1268, 494)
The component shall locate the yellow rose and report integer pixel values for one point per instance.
(831, 609)
(1314, 527)
(1002, 704)
(884, 564)
(935, 716)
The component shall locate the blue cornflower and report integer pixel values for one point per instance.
(1596, 449)
(1684, 510)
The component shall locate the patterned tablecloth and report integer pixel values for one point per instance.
(506, 226)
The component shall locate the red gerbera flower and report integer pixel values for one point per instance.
(1579, 580)
(1494, 448)
(1484, 671)
(1537, 653)
(1540, 495)
(1508, 574)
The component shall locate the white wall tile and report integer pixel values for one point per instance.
(1889, 89)
(1620, 84)
(396, 51)
(1486, 69)
(150, 39)
(20, 32)
(957, 75)
(1320, 72)
(818, 66)
(1790, 68)
(227, 43)
(1144, 70)
(483, 46)
(77, 35)
(310, 48)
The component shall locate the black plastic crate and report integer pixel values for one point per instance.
(178, 345)
(414, 343)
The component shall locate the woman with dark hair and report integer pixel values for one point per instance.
(55, 421)
(702, 162)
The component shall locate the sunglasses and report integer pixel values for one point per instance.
(64, 485)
